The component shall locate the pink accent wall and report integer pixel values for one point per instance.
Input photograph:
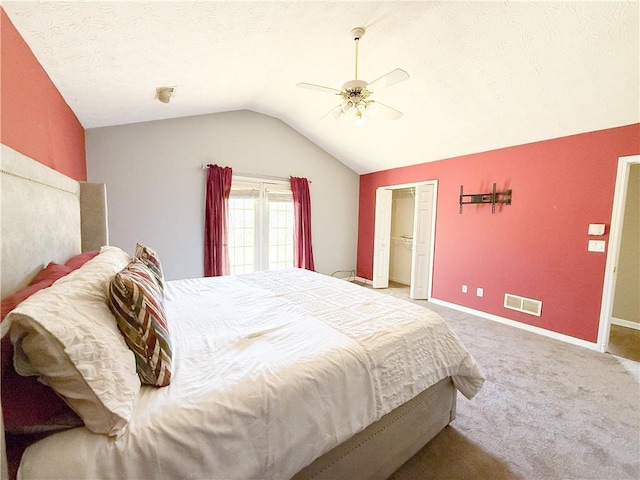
(34, 118)
(536, 247)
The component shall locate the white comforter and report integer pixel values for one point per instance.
(270, 371)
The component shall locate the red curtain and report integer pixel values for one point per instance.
(302, 251)
(216, 234)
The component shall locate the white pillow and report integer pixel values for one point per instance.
(67, 335)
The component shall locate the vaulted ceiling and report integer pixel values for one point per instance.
(483, 75)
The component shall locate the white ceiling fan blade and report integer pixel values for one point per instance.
(395, 76)
(336, 111)
(312, 86)
(383, 110)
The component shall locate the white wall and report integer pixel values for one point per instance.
(626, 305)
(156, 186)
(402, 211)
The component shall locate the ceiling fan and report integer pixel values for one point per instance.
(357, 94)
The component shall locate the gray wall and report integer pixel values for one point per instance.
(156, 186)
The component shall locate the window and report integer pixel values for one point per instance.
(260, 227)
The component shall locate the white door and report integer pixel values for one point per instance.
(382, 238)
(422, 234)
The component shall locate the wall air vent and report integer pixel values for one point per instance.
(522, 304)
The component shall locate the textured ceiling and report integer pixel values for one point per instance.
(484, 75)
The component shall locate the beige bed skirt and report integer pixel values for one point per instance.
(383, 447)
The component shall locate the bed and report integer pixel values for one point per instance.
(288, 374)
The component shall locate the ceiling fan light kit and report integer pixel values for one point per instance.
(356, 94)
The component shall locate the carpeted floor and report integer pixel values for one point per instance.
(548, 410)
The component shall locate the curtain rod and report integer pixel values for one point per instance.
(256, 176)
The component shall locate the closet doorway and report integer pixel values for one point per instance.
(620, 300)
(404, 237)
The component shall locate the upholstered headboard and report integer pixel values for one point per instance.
(45, 216)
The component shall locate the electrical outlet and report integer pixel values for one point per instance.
(480, 292)
(464, 289)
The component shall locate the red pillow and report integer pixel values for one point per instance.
(43, 279)
(52, 272)
(28, 405)
(13, 300)
(77, 261)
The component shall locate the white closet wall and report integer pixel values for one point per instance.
(403, 206)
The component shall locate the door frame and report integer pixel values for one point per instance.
(613, 252)
(432, 228)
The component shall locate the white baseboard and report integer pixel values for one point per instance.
(522, 326)
(364, 280)
(625, 323)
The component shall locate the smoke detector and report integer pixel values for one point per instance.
(164, 94)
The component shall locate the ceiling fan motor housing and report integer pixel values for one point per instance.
(354, 85)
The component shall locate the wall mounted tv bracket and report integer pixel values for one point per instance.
(492, 197)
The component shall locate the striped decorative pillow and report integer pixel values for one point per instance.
(138, 305)
(150, 258)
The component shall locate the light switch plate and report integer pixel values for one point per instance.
(596, 229)
(597, 245)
